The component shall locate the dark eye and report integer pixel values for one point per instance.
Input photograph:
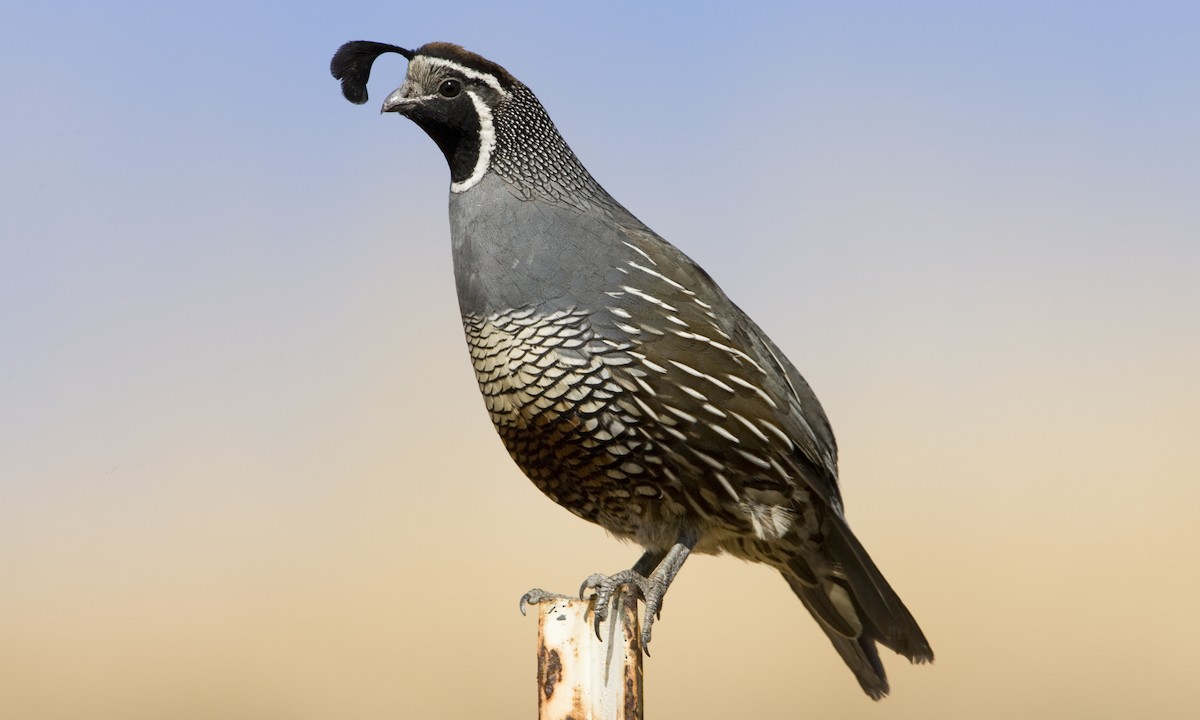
(450, 88)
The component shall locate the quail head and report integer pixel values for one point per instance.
(620, 377)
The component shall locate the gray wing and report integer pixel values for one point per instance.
(740, 411)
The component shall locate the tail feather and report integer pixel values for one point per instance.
(858, 651)
(856, 607)
(885, 614)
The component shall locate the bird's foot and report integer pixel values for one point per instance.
(648, 589)
(538, 595)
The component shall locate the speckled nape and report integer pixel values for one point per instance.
(535, 161)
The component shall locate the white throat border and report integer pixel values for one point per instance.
(487, 143)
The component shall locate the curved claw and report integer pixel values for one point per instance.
(648, 579)
(604, 588)
(647, 623)
(592, 582)
(597, 618)
(607, 587)
(535, 596)
(649, 590)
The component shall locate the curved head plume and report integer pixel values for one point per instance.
(352, 65)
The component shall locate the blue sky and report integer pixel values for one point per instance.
(233, 391)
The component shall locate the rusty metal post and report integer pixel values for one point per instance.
(582, 677)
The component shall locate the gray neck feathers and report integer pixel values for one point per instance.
(537, 230)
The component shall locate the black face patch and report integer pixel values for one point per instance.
(449, 80)
(452, 123)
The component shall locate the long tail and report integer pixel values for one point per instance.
(856, 607)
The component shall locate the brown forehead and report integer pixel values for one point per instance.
(468, 59)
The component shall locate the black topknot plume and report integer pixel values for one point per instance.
(352, 65)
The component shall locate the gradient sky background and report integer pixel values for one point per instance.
(244, 468)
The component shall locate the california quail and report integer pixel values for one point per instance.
(622, 380)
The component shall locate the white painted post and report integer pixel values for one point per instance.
(582, 677)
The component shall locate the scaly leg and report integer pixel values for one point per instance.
(650, 577)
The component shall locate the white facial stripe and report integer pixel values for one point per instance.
(465, 71)
(487, 143)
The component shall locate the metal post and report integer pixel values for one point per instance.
(582, 677)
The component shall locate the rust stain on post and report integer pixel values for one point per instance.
(549, 672)
(583, 677)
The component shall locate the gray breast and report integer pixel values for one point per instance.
(511, 253)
